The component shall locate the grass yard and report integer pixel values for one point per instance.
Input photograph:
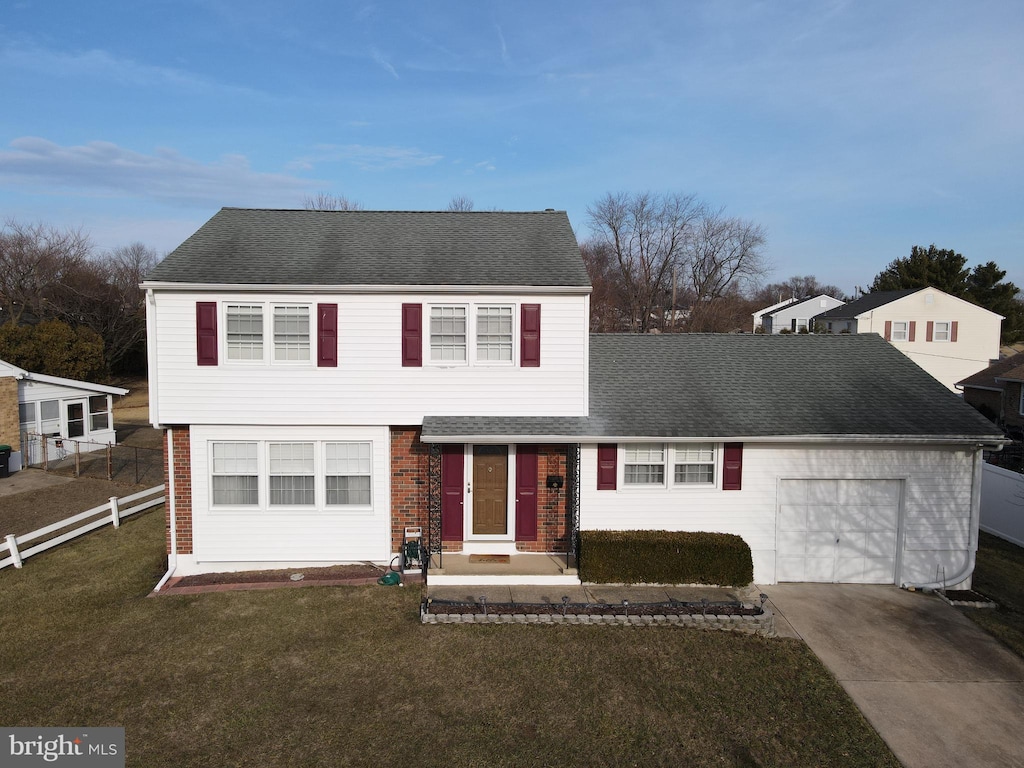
(999, 574)
(348, 676)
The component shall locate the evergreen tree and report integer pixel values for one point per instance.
(939, 268)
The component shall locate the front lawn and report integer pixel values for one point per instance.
(348, 676)
(999, 574)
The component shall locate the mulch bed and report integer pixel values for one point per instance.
(675, 608)
(330, 573)
(966, 597)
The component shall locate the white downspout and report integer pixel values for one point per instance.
(972, 545)
(172, 557)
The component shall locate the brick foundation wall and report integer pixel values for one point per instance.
(409, 483)
(551, 504)
(182, 469)
(10, 428)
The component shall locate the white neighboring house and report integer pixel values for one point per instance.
(949, 337)
(57, 408)
(796, 316)
(759, 315)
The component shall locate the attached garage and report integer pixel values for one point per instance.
(838, 530)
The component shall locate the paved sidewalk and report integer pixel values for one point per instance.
(939, 690)
(30, 480)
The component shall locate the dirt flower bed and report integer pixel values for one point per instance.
(674, 608)
(330, 573)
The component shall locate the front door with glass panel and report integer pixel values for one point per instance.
(490, 490)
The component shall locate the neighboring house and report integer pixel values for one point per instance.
(34, 406)
(327, 379)
(796, 317)
(759, 315)
(949, 337)
(998, 392)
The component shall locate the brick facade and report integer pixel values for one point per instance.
(10, 428)
(410, 488)
(182, 467)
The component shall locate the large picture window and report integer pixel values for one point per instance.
(347, 470)
(235, 474)
(448, 334)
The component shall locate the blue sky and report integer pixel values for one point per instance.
(850, 130)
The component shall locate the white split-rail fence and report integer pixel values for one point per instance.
(110, 513)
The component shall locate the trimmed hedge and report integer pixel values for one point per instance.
(665, 557)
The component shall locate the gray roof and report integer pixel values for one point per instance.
(285, 247)
(748, 385)
(865, 303)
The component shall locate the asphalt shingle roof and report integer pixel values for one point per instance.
(866, 303)
(1008, 368)
(299, 247)
(749, 385)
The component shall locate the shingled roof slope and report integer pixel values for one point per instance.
(866, 303)
(299, 247)
(1008, 368)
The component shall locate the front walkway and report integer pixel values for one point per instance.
(938, 689)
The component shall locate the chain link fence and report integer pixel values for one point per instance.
(84, 458)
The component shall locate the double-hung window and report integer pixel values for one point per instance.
(694, 463)
(99, 413)
(940, 331)
(347, 468)
(448, 334)
(644, 464)
(244, 331)
(27, 417)
(494, 334)
(291, 333)
(49, 415)
(235, 474)
(899, 330)
(292, 472)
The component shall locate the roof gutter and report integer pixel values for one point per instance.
(991, 444)
(550, 290)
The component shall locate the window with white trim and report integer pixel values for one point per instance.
(694, 463)
(291, 333)
(940, 331)
(244, 324)
(448, 334)
(99, 413)
(494, 333)
(234, 474)
(291, 472)
(644, 464)
(899, 330)
(49, 415)
(27, 416)
(347, 473)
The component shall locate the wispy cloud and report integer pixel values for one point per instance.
(104, 168)
(504, 47)
(383, 63)
(368, 158)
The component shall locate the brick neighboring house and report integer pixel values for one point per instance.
(998, 393)
(327, 379)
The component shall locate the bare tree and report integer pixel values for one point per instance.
(325, 201)
(460, 203)
(606, 298)
(33, 259)
(796, 287)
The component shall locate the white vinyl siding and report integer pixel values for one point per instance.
(494, 334)
(244, 332)
(448, 334)
(235, 474)
(369, 386)
(291, 333)
(291, 473)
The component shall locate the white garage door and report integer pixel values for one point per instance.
(841, 531)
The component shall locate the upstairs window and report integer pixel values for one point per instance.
(941, 331)
(244, 331)
(448, 334)
(291, 333)
(494, 334)
(899, 330)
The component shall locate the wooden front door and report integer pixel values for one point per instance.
(490, 490)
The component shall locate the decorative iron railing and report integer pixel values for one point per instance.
(572, 501)
(434, 505)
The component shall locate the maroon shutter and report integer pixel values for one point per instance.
(529, 336)
(452, 473)
(911, 330)
(526, 493)
(327, 335)
(412, 337)
(952, 331)
(888, 330)
(607, 466)
(929, 331)
(732, 472)
(206, 333)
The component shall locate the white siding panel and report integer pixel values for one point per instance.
(937, 500)
(369, 386)
(268, 535)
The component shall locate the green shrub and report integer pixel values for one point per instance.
(665, 557)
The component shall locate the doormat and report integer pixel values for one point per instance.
(488, 558)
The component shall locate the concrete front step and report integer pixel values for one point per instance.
(456, 579)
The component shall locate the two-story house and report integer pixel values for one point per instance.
(328, 379)
(796, 316)
(947, 336)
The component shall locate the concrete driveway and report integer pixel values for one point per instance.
(938, 689)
